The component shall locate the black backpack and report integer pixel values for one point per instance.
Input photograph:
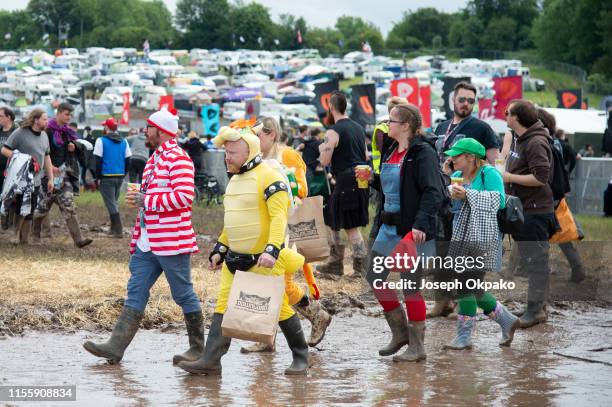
(509, 219)
(559, 183)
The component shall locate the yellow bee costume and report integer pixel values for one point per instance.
(256, 208)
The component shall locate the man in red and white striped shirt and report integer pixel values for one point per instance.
(163, 240)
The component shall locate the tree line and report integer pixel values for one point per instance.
(577, 32)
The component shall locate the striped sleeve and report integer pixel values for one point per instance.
(181, 173)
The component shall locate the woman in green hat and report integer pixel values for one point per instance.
(477, 190)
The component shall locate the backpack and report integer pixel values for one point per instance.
(509, 219)
(559, 183)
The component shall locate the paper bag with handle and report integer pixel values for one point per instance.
(307, 230)
(253, 307)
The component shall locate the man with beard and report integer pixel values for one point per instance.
(462, 125)
(66, 174)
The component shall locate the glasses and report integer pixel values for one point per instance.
(396, 121)
(463, 99)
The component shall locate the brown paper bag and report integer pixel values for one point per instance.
(307, 230)
(253, 307)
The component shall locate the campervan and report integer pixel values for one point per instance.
(380, 78)
(207, 67)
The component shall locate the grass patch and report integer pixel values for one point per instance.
(556, 81)
(347, 83)
(596, 228)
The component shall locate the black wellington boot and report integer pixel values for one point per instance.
(195, 331)
(292, 329)
(217, 345)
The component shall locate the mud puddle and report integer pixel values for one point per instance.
(345, 370)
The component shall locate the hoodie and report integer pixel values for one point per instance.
(532, 154)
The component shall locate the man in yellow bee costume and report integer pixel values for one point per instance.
(256, 208)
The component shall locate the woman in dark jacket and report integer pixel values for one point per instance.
(412, 195)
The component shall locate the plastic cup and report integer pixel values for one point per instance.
(363, 176)
(456, 180)
(500, 164)
(133, 187)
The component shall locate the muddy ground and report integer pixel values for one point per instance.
(56, 296)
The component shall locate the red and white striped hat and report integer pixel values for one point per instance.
(166, 121)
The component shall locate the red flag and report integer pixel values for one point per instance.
(485, 108)
(299, 38)
(406, 88)
(167, 102)
(425, 104)
(125, 115)
(506, 90)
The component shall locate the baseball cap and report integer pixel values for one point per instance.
(467, 145)
(111, 123)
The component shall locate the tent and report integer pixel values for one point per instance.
(582, 126)
(578, 121)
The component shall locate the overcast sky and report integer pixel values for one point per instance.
(323, 13)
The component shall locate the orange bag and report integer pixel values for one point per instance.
(569, 230)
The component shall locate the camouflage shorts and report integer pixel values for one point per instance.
(64, 198)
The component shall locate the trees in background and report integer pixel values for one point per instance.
(576, 32)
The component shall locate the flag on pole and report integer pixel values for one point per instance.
(485, 109)
(506, 90)
(569, 98)
(166, 102)
(407, 88)
(125, 115)
(425, 104)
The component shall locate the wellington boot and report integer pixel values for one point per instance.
(195, 331)
(19, 225)
(123, 333)
(75, 231)
(116, 228)
(335, 262)
(360, 259)
(507, 321)
(415, 351)
(399, 331)
(36, 229)
(535, 314)
(463, 338)
(319, 319)
(292, 329)
(217, 345)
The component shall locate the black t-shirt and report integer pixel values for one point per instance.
(59, 154)
(449, 133)
(350, 150)
(310, 154)
(4, 135)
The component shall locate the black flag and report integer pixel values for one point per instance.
(448, 93)
(323, 92)
(363, 104)
(570, 98)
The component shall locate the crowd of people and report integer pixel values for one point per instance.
(437, 196)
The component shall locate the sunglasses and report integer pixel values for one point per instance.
(508, 113)
(396, 121)
(463, 99)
